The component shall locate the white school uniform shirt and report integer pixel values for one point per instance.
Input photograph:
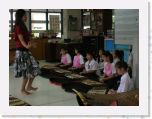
(92, 65)
(113, 65)
(81, 60)
(69, 60)
(101, 64)
(126, 83)
(100, 67)
(130, 60)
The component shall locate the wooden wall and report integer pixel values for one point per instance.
(38, 52)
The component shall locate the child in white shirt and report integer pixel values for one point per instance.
(90, 66)
(113, 80)
(100, 63)
(126, 83)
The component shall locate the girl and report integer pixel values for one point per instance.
(25, 64)
(117, 56)
(113, 80)
(66, 60)
(126, 83)
(101, 63)
(107, 57)
(90, 67)
(78, 61)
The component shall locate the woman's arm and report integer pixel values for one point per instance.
(23, 42)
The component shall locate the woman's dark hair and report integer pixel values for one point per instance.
(18, 19)
(108, 54)
(121, 64)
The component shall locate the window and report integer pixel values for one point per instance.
(58, 25)
(14, 16)
(9, 23)
(38, 16)
(39, 21)
(38, 26)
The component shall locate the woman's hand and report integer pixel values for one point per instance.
(29, 45)
(34, 44)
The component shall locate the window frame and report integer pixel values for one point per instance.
(46, 11)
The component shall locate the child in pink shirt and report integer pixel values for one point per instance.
(107, 57)
(78, 61)
(65, 59)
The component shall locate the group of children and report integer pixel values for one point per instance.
(107, 68)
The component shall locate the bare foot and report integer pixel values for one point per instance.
(25, 92)
(32, 88)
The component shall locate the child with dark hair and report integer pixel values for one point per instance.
(100, 63)
(107, 57)
(66, 60)
(117, 56)
(90, 66)
(78, 61)
(113, 80)
(126, 83)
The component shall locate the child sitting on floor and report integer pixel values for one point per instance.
(117, 56)
(90, 67)
(107, 57)
(78, 61)
(126, 83)
(113, 80)
(100, 63)
(66, 60)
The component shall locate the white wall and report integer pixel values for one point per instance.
(127, 32)
(71, 34)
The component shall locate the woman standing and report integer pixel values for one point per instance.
(25, 64)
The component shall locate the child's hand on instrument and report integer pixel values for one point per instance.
(62, 65)
(111, 91)
(84, 72)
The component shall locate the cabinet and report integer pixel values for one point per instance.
(96, 21)
(39, 51)
(96, 24)
(92, 44)
(52, 50)
(12, 48)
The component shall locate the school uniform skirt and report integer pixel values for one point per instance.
(25, 65)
